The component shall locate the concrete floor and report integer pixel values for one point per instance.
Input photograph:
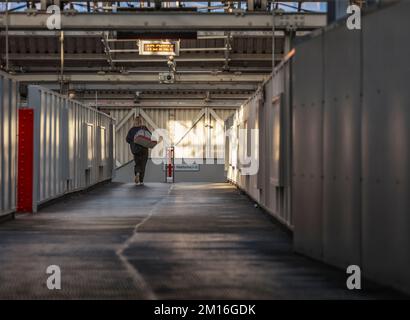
(188, 241)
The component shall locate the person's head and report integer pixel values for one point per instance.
(137, 121)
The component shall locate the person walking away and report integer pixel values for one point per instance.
(140, 153)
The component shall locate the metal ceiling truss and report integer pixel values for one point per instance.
(175, 95)
(161, 5)
(125, 104)
(214, 65)
(142, 78)
(160, 99)
(169, 88)
(161, 21)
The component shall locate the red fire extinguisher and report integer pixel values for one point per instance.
(170, 168)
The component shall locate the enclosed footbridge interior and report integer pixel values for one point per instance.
(282, 159)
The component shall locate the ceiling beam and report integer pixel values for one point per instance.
(128, 1)
(160, 21)
(157, 96)
(207, 86)
(164, 104)
(142, 78)
(200, 35)
(127, 57)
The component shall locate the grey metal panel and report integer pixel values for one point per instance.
(308, 147)
(341, 148)
(267, 191)
(386, 146)
(253, 123)
(275, 123)
(61, 162)
(259, 113)
(259, 124)
(9, 99)
(48, 151)
(277, 140)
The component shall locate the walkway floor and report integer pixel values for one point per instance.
(188, 241)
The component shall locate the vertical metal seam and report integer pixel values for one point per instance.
(361, 106)
(322, 160)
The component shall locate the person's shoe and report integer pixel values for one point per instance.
(137, 179)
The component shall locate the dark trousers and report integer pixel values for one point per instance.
(140, 159)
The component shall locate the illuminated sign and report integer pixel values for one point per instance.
(158, 47)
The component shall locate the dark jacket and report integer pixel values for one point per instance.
(135, 148)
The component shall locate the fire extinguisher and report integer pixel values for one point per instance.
(170, 168)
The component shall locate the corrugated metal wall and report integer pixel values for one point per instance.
(122, 153)
(73, 145)
(9, 99)
(351, 147)
(267, 112)
(176, 122)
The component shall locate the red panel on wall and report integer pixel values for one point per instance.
(25, 160)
